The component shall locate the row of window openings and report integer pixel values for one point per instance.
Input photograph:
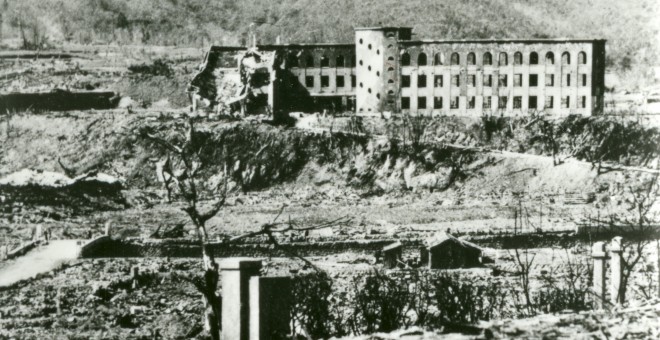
(488, 80)
(325, 81)
(503, 60)
(324, 62)
(438, 59)
(532, 102)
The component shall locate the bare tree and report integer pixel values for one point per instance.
(181, 169)
(164, 169)
(548, 136)
(181, 172)
(523, 261)
(643, 228)
(25, 17)
(639, 225)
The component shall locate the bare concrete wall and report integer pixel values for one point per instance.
(465, 83)
(316, 77)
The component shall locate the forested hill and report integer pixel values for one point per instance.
(631, 26)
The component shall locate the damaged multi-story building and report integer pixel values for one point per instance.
(385, 71)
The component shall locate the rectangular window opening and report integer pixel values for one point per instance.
(454, 102)
(502, 102)
(488, 80)
(471, 79)
(532, 103)
(309, 81)
(437, 102)
(438, 81)
(517, 102)
(533, 80)
(471, 103)
(421, 102)
(405, 103)
(549, 80)
(502, 81)
(325, 81)
(487, 102)
(405, 81)
(517, 80)
(456, 80)
(421, 80)
(549, 102)
(340, 81)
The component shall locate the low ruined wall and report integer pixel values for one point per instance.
(118, 248)
(92, 245)
(21, 250)
(106, 247)
(58, 101)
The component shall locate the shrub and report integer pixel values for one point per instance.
(159, 67)
(556, 299)
(569, 291)
(311, 312)
(494, 125)
(460, 301)
(422, 298)
(380, 304)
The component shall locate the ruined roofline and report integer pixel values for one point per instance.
(311, 45)
(273, 47)
(499, 41)
(216, 48)
(382, 28)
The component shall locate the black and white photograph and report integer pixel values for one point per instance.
(329, 169)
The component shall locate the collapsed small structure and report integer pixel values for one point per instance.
(392, 255)
(448, 252)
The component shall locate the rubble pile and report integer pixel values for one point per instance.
(88, 192)
(103, 299)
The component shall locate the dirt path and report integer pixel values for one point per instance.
(39, 260)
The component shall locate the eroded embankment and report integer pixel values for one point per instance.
(259, 156)
(622, 140)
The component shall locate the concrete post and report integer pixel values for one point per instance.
(58, 301)
(37, 232)
(3, 252)
(135, 272)
(657, 264)
(616, 268)
(270, 307)
(235, 275)
(107, 228)
(599, 256)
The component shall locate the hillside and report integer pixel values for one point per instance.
(317, 176)
(629, 26)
